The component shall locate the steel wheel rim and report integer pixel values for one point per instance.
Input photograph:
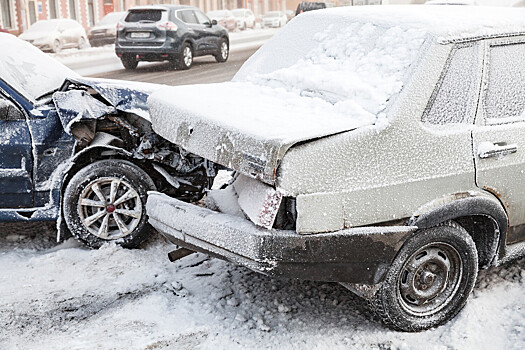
(224, 50)
(110, 208)
(429, 279)
(188, 56)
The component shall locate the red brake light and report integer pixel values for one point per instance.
(120, 26)
(168, 26)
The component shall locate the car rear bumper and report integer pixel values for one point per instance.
(167, 50)
(358, 255)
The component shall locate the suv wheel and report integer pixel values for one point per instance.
(224, 51)
(186, 57)
(106, 202)
(82, 43)
(129, 62)
(430, 280)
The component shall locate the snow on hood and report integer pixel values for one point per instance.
(322, 74)
(28, 70)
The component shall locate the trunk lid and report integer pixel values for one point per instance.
(243, 126)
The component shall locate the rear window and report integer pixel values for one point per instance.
(144, 16)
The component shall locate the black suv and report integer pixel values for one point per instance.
(169, 33)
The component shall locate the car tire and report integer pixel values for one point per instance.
(129, 62)
(430, 279)
(185, 60)
(244, 26)
(82, 43)
(120, 216)
(57, 46)
(224, 51)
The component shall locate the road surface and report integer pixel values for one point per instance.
(204, 70)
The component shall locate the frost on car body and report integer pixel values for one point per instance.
(394, 137)
(55, 124)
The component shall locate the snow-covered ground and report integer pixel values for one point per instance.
(69, 297)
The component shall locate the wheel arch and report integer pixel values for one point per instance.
(482, 216)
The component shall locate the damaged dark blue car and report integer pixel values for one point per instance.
(82, 151)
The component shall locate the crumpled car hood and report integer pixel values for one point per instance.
(244, 127)
(76, 105)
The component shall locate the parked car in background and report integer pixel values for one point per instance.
(169, 33)
(105, 31)
(309, 6)
(2, 30)
(82, 151)
(225, 18)
(245, 18)
(56, 34)
(289, 15)
(451, 2)
(274, 19)
(398, 180)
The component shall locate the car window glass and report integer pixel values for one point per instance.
(144, 16)
(201, 17)
(187, 16)
(8, 111)
(505, 94)
(454, 99)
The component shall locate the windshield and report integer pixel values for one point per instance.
(272, 14)
(349, 63)
(111, 18)
(238, 13)
(28, 70)
(43, 26)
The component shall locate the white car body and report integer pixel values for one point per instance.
(274, 19)
(382, 123)
(245, 18)
(56, 34)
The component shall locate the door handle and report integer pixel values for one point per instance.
(497, 149)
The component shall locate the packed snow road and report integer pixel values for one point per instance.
(68, 297)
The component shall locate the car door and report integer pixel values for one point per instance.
(196, 30)
(15, 157)
(499, 138)
(210, 33)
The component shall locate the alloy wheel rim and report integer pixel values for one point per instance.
(429, 279)
(224, 50)
(110, 208)
(188, 57)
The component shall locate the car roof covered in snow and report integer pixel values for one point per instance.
(445, 23)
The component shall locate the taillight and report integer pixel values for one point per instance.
(167, 26)
(120, 26)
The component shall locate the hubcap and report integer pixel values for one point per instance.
(110, 208)
(224, 50)
(429, 279)
(188, 56)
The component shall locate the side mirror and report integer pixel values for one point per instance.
(213, 22)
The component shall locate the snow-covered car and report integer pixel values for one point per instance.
(82, 151)
(245, 18)
(274, 19)
(56, 34)
(225, 18)
(385, 152)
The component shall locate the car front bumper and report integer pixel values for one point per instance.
(357, 255)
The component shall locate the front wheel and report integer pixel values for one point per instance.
(106, 202)
(224, 51)
(430, 280)
(57, 46)
(82, 43)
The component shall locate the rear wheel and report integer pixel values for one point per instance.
(106, 202)
(185, 60)
(82, 43)
(57, 46)
(129, 62)
(430, 280)
(224, 51)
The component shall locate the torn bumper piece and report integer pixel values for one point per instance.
(357, 255)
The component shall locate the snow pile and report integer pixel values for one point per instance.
(28, 70)
(69, 297)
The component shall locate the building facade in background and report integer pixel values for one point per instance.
(17, 15)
